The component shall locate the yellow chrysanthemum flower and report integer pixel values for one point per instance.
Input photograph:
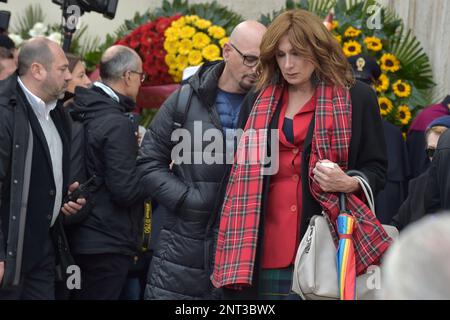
(172, 33)
(211, 52)
(200, 40)
(389, 63)
(352, 48)
(401, 89)
(382, 84)
(223, 41)
(185, 46)
(182, 62)
(171, 61)
(180, 23)
(338, 38)
(203, 24)
(191, 19)
(195, 58)
(386, 106)
(404, 114)
(173, 71)
(373, 43)
(216, 32)
(352, 32)
(187, 32)
(171, 46)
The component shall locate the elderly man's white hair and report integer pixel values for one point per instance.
(417, 266)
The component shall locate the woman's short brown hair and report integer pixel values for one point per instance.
(310, 38)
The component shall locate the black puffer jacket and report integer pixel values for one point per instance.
(114, 222)
(188, 191)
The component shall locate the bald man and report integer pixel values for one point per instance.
(105, 243)
(34, 167)
(208, 107)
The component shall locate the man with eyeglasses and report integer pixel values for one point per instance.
(421, 200)
(106, 241)
(189, 192)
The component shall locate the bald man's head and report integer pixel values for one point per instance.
(37, 50)
(117, 60)
(249, 31)
(241, 55)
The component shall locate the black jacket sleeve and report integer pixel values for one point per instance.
(371, 158)
(119, 149)
(155, 157)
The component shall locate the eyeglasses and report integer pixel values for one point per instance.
(430, 152)
(248, 60)
(141, 74)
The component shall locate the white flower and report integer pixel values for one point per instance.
(56, 37)
(39, 29)
(16, 38)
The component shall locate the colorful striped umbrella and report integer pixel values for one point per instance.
(346, 256)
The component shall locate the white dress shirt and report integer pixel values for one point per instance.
(54, 142)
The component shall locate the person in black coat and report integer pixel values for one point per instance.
(106, 241)
(414, 207)
(35, 140)
(188, 190)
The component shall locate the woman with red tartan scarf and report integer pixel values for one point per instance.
(307, 92)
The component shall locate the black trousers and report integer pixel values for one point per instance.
(103, 276)
(38, 283)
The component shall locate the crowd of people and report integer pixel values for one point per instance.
(221, 229)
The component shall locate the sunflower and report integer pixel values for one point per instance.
(352, 32)
(382, 84)
(185, 46)
(373, 43)
(352, 48)
(201, 40)
(195, 58)
(386, 105)
(187, 32)
(390, 63)
(216, 32)
(223, 41)
(404, 114)
(211, 52)
(203, 24)
(401, 89)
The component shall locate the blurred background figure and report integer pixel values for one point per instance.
(389, 200)
(416, 267)
(79, 77)
(414, 206)
(8, 61)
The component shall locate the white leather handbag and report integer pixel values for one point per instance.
(315, 270)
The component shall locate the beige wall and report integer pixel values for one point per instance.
(428, 19)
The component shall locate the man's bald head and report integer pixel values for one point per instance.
(250, 32)
(37, 50)
(117, 60)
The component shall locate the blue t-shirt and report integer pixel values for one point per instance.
(228, 106)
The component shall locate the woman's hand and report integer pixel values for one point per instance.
(331, 178)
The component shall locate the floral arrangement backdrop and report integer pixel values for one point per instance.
(406, 84)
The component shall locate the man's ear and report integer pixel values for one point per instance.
(38, 71)
(226, 51)
(127, 78)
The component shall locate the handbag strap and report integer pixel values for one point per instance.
(365, 187)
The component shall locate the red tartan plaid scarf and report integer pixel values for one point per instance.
(239, 222)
